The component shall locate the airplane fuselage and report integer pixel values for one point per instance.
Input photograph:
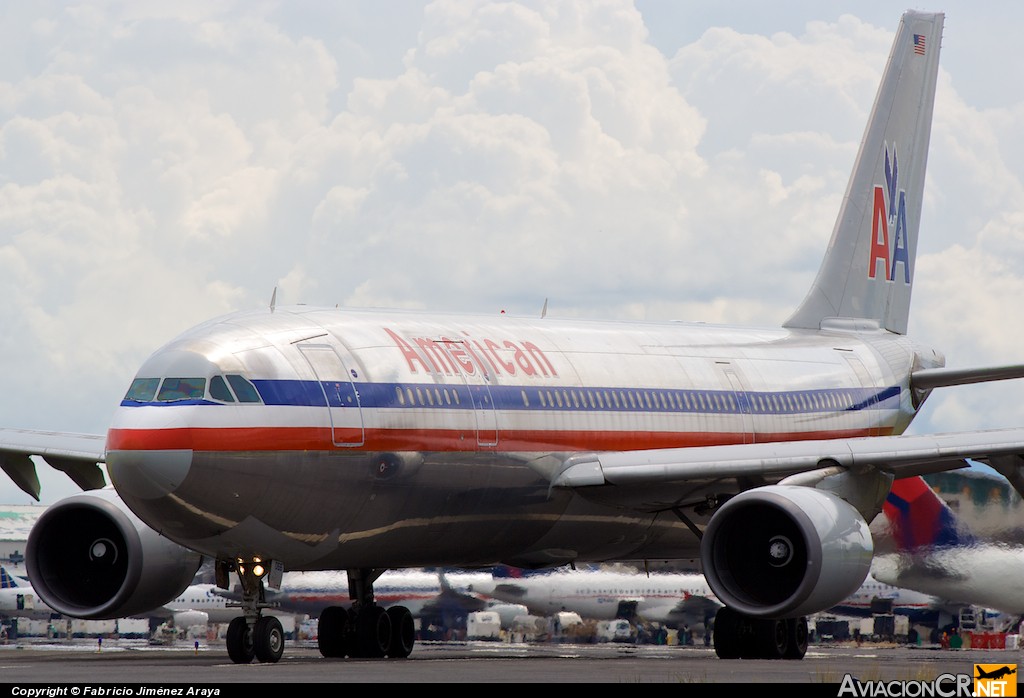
(372, 439)
(672, 599)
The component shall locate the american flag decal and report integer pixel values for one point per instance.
(919, 44)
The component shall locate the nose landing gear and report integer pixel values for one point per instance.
(253, 635)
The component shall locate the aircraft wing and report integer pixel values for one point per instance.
(77, 455)
(659, 479)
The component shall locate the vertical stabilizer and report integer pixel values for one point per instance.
(7, 580)
(868, 268)
(920, 520)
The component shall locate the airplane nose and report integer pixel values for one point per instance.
(148, 474)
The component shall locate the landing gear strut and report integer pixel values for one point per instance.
(738, 636)
(252, 635)
(365, 630)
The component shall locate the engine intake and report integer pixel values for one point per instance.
(89, 556)
(784, 551)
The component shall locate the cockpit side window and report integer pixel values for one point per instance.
(142, 389)
(182, 389)
(245, 390)
(219, 390)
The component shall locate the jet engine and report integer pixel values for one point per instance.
(784, 551)
(89, 556)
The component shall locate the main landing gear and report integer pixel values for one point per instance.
(253, 635)
(365, 630)
(738, 636)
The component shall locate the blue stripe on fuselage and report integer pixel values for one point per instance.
(341, 394)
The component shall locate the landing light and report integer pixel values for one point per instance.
(258, 569)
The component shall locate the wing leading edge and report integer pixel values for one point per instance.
(666, 475)
(77, 455)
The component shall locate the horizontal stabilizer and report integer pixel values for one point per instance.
(929, 378)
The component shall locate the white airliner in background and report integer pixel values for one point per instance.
(678, 599)
(671, 599)
(19, 600)
(877, 597)
(199, 604)
(306, 438)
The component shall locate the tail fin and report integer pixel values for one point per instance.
(920, 520)
(868, 269)
(7, 580)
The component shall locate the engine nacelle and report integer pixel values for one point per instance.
(784, 551)
(89, 556)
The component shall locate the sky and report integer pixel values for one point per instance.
(164, 163)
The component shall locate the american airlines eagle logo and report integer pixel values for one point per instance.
(889, 243)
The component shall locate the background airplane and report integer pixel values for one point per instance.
(935, 553)
(439, 600)
(673, 600)
(679, 600)
(19, 600)
(198, 605)
(877, 597)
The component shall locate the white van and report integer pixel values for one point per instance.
(483, 625)
(618, 630)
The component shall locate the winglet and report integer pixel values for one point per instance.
(868, 269)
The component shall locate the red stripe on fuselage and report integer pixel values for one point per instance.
(318, 439)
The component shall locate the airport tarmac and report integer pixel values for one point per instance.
(137, 663)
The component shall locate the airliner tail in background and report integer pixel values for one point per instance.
(919, 520)
(9, 581)
(937, 554)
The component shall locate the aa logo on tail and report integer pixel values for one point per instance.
(995, 680)
(889, 213)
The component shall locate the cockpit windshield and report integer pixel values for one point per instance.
(142, 390)
(174, 389)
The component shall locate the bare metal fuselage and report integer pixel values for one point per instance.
(404, 439)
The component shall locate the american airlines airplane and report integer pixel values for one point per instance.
(303, 438)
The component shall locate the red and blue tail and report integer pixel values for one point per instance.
(919, 519)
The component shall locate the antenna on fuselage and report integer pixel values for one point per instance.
(273, 299)
(544, 310)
